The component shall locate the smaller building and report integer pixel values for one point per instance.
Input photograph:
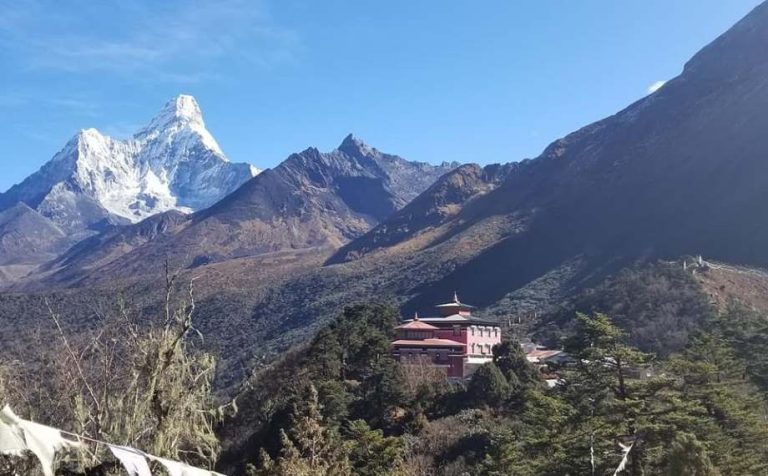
(548, 361)
(548, 357)
(455, 341)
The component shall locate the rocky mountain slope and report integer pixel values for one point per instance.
(171, 164)
(311, 200)
(682, 171)
(26, 235)
(437, 205)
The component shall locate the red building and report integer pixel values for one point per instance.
(454, 341)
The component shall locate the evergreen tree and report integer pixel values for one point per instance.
(308, 448)
(613, 397)
(371, 453)
(326, 355)
(534, 443)
(382, 392)
(510, 359)
(726, 413)
(688, 457)
(488, 386)
(746, 329)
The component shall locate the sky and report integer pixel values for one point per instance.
(430, 80)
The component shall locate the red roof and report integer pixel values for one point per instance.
(417, 325)
(428, 343)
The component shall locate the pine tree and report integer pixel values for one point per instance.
(726, 413)
(308, 448)
(371, 453)
(326, 355)
(488, 386)
(688, 457)
(382, 392)
(510, 359)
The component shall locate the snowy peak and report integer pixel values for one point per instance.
(181, 110)
(180, 120)
(173, 163)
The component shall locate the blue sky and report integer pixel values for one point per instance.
(433, 80)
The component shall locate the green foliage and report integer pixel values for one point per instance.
(696, 413)
(350, 366)
(371, 453)
(382, 392)
(335, 401)
(308, 448)
(659, 306)
(488, 386)
(688, 457)
(510, 359)
(713, 385)
(747, 330)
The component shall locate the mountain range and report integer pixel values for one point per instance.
(96, 181)
(681, 171)
(97, 188)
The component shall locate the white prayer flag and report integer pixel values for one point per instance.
(174, 468)
(132, 460)
(11, 436)
(18, 435)
(41, 440)
(625, 449)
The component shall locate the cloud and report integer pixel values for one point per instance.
(172, 40)
(21, 99)
(656, 86)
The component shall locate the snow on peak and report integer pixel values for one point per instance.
(89, 134)
(254, 170)
(180, 118)
(172, 164)
(182, 108)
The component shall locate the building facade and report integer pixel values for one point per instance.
(454, 341)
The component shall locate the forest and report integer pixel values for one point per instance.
(341, 405)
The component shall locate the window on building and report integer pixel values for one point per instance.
(473, 330)
(495, 332)
(457, 330)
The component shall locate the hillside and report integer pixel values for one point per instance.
(26, 236)
(311, 200)
(680, 171)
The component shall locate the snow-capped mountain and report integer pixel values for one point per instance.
(173, 163)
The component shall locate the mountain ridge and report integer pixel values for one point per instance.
(311, 200)
(162, 167)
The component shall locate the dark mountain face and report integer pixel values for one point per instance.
(438, 205)
(684, 170)
(112, 243)
(312, 199)
(28, 237)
